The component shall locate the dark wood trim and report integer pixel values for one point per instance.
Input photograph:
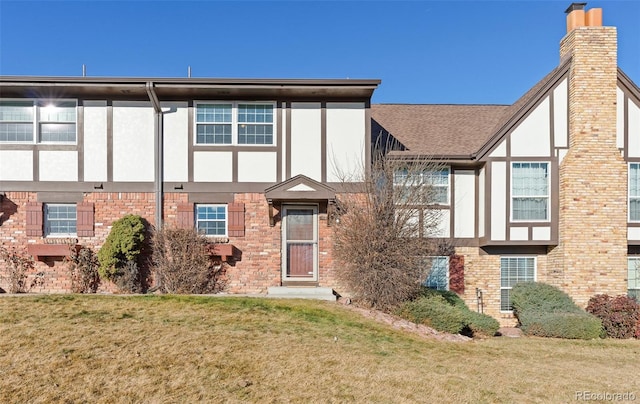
(62, 197)
(75, 186)
(36, 164)
(211, 197)
(323, 142)
(109, 140)
(367, 140)
(625, 128)
(452, 198)
(288, 140)
(190, 140)
(476, 203)
(80, 139)
(487, 200)
(279, 141)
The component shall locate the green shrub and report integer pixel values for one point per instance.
(560, 324)
(434, 311)
(123, 245)
(474, 323)
(620, 315)
(480, 324)
(546, 311)
(536, 296)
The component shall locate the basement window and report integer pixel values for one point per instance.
(60, 220)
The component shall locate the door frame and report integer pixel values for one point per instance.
(284, 243)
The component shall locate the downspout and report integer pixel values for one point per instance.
(158, 150)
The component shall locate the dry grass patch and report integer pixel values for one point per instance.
(78, 348)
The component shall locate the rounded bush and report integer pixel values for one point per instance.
(122, 246)
(536, 296)
(560, 325)
(481, 324)
(434, 311)
(620, 315)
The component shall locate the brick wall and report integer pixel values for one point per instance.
(259, 268)
(591, 255)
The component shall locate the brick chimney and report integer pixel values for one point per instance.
(591, 254)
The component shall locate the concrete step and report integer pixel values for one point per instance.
(301, 292)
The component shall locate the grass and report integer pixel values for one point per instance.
(84, 348)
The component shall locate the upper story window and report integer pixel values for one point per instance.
(234, 123)
(211, 220)
(433, 186)
(60, 220)
(530, 191)
(634, 192)
(45, 121)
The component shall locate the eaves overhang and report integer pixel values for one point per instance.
(187, 88)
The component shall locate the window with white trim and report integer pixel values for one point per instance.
(633, 277)
(437, 180)
(237, 123)
(438, 277)
(530, 183)
(211, 220)
(634, 192)
(46, 121)
(514, 270)
(60, 220)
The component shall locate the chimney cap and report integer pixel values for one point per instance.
(575, 6)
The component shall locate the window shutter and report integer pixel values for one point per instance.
(185, 216)
(84, 224)
(34, 219)
(456, 273)
(236, 219)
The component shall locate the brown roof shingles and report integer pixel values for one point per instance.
(456, 131)
(444, 130)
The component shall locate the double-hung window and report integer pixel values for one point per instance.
(633, 277)
(46, 121)
(234, 123)
(60, 220)
(438, 277)
(211, 220)
(530, 183)
(634, 192)
(424, 187)
(514, 270)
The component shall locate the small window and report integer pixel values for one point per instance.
(634, 192)
(530, 191)
(438, 278)
(514, 270)
(633, 278)
(211, 220)
(60, 220)
(234, 123)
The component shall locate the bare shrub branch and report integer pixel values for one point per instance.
(387, 221)
(182, 264)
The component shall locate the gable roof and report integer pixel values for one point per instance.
(465, 132)
(299, 188)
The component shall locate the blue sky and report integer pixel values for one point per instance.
(460, 52)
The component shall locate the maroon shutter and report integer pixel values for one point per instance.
(84, 224)
(236, 219)
(185, 216)
(456, 273)
(34, 219)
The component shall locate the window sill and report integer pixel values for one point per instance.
(224, 252)
(41, 251)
